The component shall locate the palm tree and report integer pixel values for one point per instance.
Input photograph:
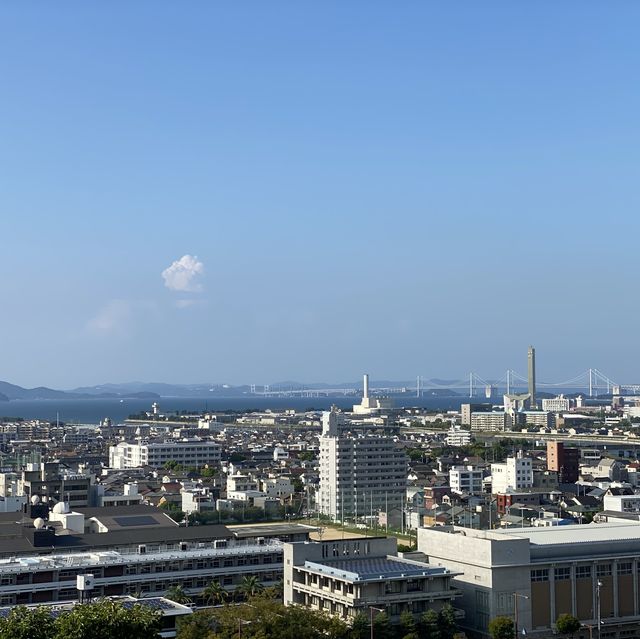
(250, 586)
(276, 591)
(178, 594)
(214, 593)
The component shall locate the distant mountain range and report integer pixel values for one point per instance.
(11, 391)
(155, 390)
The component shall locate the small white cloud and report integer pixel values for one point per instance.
(113, 318)
(182, 275)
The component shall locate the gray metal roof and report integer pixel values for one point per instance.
(577, 533)
(374, 568)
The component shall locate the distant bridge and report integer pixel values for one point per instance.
(592, 381)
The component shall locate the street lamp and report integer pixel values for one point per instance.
(598, 586)
(371, 609)
(515, 613)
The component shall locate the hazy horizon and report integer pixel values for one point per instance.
(247, 193)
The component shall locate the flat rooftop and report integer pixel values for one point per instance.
(575, 534)
(167, 606)
(269, 529)
(111, 557)
(374, 568)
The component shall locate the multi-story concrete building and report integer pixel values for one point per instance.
(514, 474)
(348, 577)
(140, 551)
(51, 480)
(558, 404)
(466, 411)
(563, 460)
(538, 418)
(360, 476)
(546, 572)
(457, 436)
(497, 421)
(466, 480)
(187, 452)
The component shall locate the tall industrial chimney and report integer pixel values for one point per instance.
(532, 377)
(365, 384)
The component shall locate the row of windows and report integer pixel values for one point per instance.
(562, 573)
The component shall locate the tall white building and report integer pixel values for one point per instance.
(359, 476)
(514, 474)
(186, 452)
(466, 480)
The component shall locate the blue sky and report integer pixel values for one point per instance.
(403, 188)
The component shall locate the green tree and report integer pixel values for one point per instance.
(359, 627)
(407, 623)
(447, 622)
(200, 625)
(276, 591)
(107, 620)
(567, 624)
(215, 593)
(429, 625)
(27, 623)
(382, 628)
(262, 618)
(250, 586)
(501, 628)
(178, 594)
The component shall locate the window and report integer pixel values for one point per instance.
(583, 572)
(541, 574)
(603, 570)
(625, 568)
(562, 573)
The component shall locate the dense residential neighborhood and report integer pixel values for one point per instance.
(388, 509)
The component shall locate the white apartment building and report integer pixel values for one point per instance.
(280, 487)
(466, 480)
(514, 474)
(197, 500)
(359, 476)
(186, 452)
(457, 437)
(558, 404)
(241, 483)
(622, 503)
(498, 421)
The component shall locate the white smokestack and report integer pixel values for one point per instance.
(365, 384)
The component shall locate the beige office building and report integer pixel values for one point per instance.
(551, 570)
